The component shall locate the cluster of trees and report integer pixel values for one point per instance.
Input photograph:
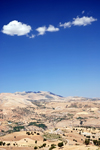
(52, 146)
(95, 142)
(3, 143)
(44, 144)
(41, 125)
(31, 133)
(8, 144)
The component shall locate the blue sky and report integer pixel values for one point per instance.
(50, 45)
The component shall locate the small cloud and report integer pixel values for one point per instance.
(83, 12)
(41, 30)
(83, 21)
(32, 36)
(16, 28)
(65, 25)
(51, 28)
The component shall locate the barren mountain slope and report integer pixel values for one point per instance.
(45, 110)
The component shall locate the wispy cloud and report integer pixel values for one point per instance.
(31, 37)
(51, 28)
(41, 30)
(83, 12)
(83, 21)
(65, 25)
(16, 28)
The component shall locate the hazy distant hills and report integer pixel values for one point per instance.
(23, 99)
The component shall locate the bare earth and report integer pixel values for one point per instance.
(70, 118)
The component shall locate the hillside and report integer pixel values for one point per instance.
(22, 111)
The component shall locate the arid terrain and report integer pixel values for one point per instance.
(30, 119)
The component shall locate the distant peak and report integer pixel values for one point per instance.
(55, 94)
(33, 92)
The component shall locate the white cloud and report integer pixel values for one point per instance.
(51, 28)
(83, 12)
(41, 30)
(83, 21)
(19, 28)
(65, 25)
(32, 36)
(16, 28)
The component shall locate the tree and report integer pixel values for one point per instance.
(28, 133)
(1, 142)
(32, 133)
(36, 142)
(87, 141)
(95, 142)
(60, 144)
(44, 139)
(44, 144)
(98, 143)
(4, 143)
(88, 137)
(35, 147)
(81, 122)
(8, 144)
(52, 146)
